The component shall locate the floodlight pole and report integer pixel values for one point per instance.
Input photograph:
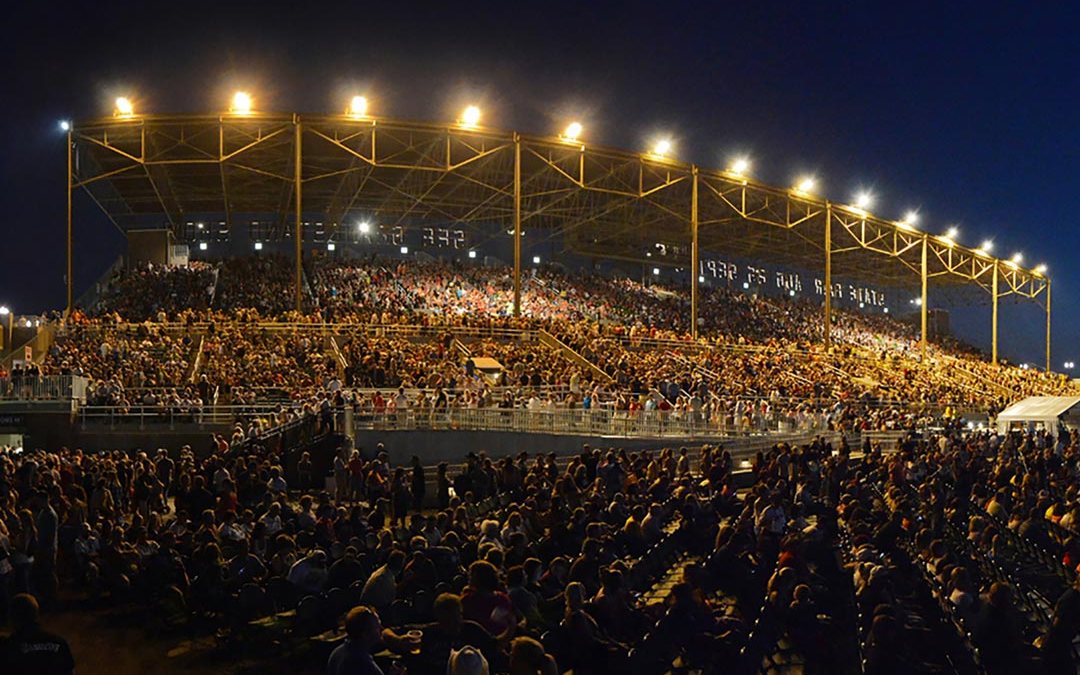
(70, 242)
(922, 301)
(517, 224)
(298, 233)
(694, 254)
(994, 318)
(828, 275)
(1048, 324)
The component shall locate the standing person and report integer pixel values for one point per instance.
(44, 568)
(341, 473)
(442, 485)
(31, 650)
(419, 484)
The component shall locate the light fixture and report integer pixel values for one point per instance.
(572, 131)
(656, 271)
(746, 285)
(364, 227)
(1040, 268)
(805, 184)
(472, 254)
(792, 292)
(701, 279)
(202, 246)
(952, 232)
(1018, 258)
(662, 147)
(886, 310)
(536, 260)
(864, 200)
(124, 107)
(404, 250)
(739, 166)
(358, 106)
(65, 125)
(470, 117)
(330, 246)
(199, 226)
(862, 305)
(4, 311)
(241, 103)
(258, 246)
(987, 246)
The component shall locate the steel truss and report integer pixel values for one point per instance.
(601, 202)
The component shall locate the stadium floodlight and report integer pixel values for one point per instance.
(4, 311)
(1017, 258)
(952, 232)
(739, 166)
(1040, 268)
(202, 246)
(862, 305)
(241, 103)
(404, 250)
(258, 246)
(364, 227)
(199, 225)
(470, 117)
(805, 185)
(662, 147)
(124, 107)
(330, 246)
(358, 106)
(746, 285)
(472, 254)
(909, 220)
(864, 200)
(65, 125)
(572, 131)
(987, 245)
(536, 260)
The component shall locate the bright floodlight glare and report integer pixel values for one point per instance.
(404, 250)
(241, 103)
(662, 147)
(4, 311)
(952, 232)
(472, 254)
(536, 260)
(471, 116)
(258, 246)
(701, 279)
(330, 246)
(987, 245)
(573, 131)
(358, 106)
(364, 227)
(124, 106)
(202, 246)
(1040, 268)
(911, 217)
(805, 184)
(863, 200)
(65, 125)
(1018, 258)
(656, 271)
(740, 166)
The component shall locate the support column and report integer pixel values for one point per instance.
(922, 301)
(828, 276)
(694, 255)
(298, 233)
(994, 319)
(517, 225)
(1048, 324)
(70, 242)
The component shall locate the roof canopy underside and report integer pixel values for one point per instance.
(597, 201)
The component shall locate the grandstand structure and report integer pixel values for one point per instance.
(290, 172)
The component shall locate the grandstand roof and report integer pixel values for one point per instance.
(154, 170)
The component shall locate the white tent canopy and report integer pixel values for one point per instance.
(1034, 411)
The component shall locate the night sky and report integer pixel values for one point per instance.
(968, 114)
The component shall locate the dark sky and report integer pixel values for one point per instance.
(966, 111)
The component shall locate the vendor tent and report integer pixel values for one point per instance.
(1040, 411)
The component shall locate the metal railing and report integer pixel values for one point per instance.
(592, 422)
(171, 417)
(43, 388)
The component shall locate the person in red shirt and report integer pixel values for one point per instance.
(485, 604)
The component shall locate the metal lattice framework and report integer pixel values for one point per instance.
(601, 202)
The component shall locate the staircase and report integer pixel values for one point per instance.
(555, 343)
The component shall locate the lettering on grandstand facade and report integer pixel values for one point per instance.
(761, 278)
